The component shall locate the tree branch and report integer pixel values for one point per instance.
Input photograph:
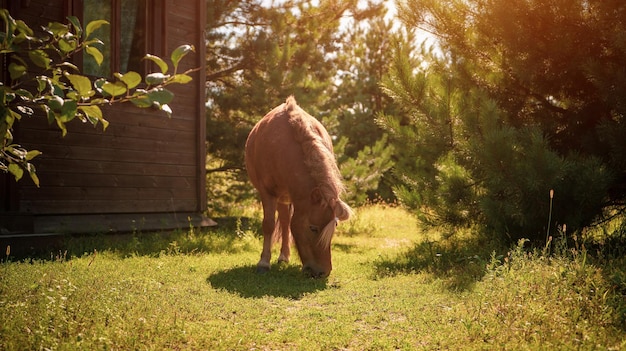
(240, 23)
(226, 168)
(213, 76)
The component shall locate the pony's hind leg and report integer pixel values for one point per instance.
(269, 212)
(284, 221)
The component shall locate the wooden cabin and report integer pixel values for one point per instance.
(146, 171)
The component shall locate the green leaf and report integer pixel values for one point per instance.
(16, 71)
(98, 83)
(82, 84)
(179, 53)
(76, 24)
(61, 124)
(142, 102)
(93, 41)
(16, 151)
(181, 79)
(32, 154)
(159, 61)
(8, 96)
(156, 78)
(114, 89)
(16, 170)
(105, 124)
(20, 38)
(42, 83)
(93, 26)
(58, 88)
(33, 175)
(68, 110)
(6, 18)
(55, 102)
(95, 53)
(39, 58)
(25, 94)
(18, 60)
(25, 32)
(68, 65)
(5, 136)
(67, 45)
(160, 95)
(98, 101)
(12, 117)
(131, 79)
(49, 113)
(22, 27)
(57, 29)
(94, 113)
(141, 99)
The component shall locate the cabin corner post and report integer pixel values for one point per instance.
(201, 113)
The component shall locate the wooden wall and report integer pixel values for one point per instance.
(144, 162)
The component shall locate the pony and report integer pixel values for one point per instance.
(290, 161)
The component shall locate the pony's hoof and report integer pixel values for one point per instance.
(262, 269)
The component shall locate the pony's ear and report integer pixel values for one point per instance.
(343, 211)
(316, 196)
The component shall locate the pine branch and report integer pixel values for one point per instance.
(213, 76)
(226, 168)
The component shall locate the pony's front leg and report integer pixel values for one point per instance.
(269, 212)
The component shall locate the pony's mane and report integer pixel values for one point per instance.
(320, 161)
(318, 158)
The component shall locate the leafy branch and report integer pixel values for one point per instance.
(58, 88)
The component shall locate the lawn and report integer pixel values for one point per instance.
(393, 287)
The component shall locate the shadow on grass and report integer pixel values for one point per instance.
(458, 264)
(610, 255)
(347, 248)
(281, 281)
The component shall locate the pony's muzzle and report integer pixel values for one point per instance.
(315, 273)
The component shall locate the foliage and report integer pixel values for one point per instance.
(381, 295)
(515, 101)
(228, 192)
(365, 155)
(43, 81)
(362, 174)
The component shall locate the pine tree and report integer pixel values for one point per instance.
(366, 157)
(532, 95)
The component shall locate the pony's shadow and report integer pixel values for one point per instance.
(281, 281)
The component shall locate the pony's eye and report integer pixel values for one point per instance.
(314, 229)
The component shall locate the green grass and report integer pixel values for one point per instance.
(392, 287)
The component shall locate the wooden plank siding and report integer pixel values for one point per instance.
(144, 163)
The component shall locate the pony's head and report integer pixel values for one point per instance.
(312, 226)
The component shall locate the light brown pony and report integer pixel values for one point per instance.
(290, 161)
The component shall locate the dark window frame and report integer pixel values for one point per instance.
(155, 19)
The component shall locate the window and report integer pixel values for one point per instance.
(136, 28)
